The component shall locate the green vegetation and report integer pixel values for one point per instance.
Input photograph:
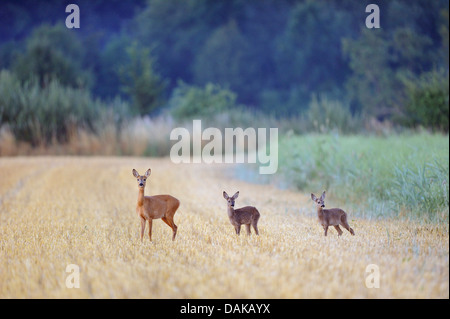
(39, 115)
(275, 57)
(53, 53)
(189, 102)
(427, 105)
(406, 175)
(140, 81)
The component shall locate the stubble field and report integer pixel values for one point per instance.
(58, 211)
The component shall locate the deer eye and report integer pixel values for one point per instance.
(138, 179)
(144, 179)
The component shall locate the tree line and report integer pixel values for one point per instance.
(271, 56)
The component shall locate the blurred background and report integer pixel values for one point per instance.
(340, 94)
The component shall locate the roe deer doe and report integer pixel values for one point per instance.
(154, 207)
(247, 215)
(331, 217)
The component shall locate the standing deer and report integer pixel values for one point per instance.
(154, 207)
(331, 217)
(247, 215)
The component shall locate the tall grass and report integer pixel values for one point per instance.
(139, 136)
(403, 175)
(39, 115)
(63, 120)
(422, 188)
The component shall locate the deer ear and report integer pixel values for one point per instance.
(135, 173)
(148, 172)
(323, 196)
(313, 197)
(236, 195)
(225, 195)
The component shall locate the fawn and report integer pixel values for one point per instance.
(247, 215)
(331, 217)
(154, 207)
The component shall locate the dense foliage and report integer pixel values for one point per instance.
(275, 57)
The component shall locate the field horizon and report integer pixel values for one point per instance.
(60, 211)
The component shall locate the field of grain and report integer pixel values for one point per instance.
(57, 211)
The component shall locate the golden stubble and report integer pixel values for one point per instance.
(56, 211)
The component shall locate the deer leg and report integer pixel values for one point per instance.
(150, 224)
(142, 228)
(170, 222)
(164, 219)
(255, 227)
(174, 228)
(345, 224)
(326, 229)
(238, 229)
(338, 230)
(169, 217)
(247, 226)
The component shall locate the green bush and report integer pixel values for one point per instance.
(324, 115)
(53, 53)
(140, 81)
(428, 102)
(41, 115)
(188, 102)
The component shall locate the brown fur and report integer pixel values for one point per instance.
(331, 217)
(154, 207)
(247, 215)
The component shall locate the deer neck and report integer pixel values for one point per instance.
(230, 211)
(140, 201)
(319, 212)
